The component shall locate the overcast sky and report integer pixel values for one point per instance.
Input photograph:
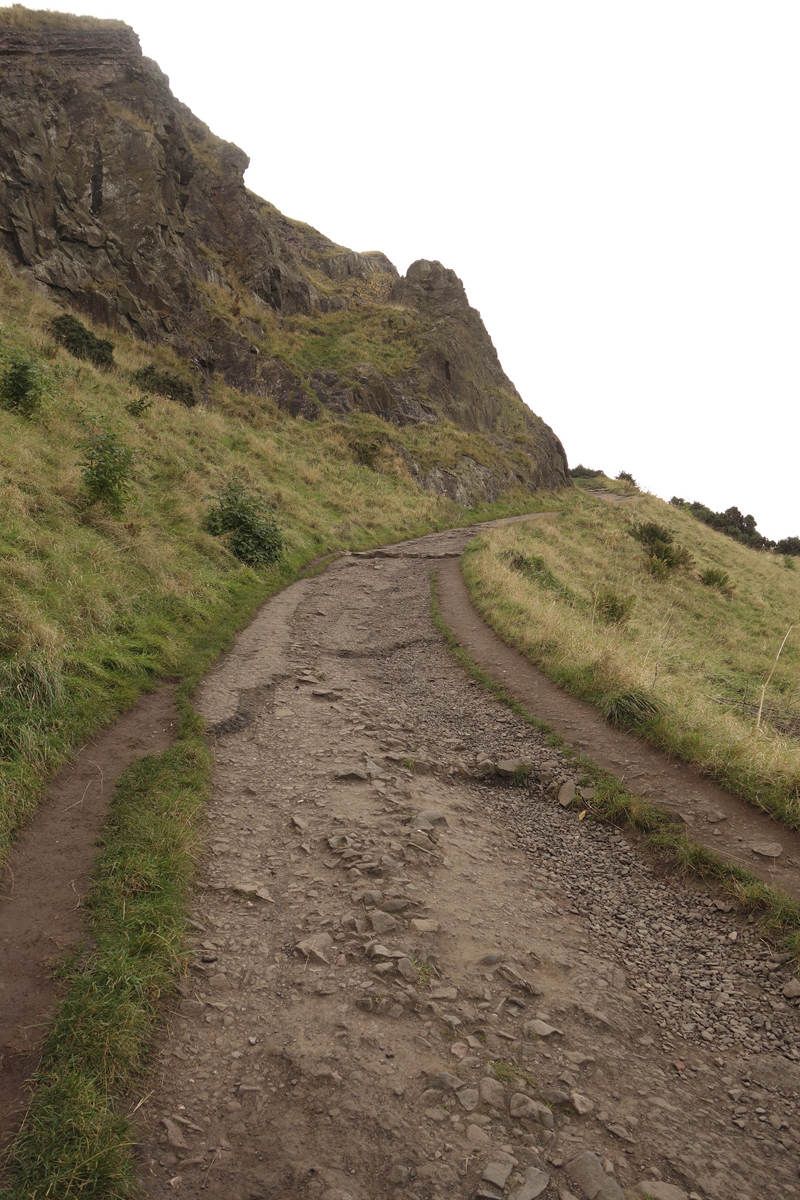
(616, 183)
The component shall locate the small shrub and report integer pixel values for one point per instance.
(630, 710)
(611, 607)
(581, 472)
(164, 383)
(788, 562)
(627, 477)
(22, 384)
(80, 342)
(137, 408)
(649, 533)
(717, 578)
(534, 568)
(106, 469)
(366, 449)
(788, 546)
(663, 554)
(245, 518)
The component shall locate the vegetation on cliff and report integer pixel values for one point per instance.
(110, 575)
(678, 652)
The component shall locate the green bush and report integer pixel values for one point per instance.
(788, 562)
(626, 475)
(717, 578)
(788, 546)
(611, 607)
(534, 568)
(249, 524)
(164, 383)
(662, 552)
(367, 449)
(581, 472)
(106, 469)
(80, 342)
(23, 384)
(137, 408)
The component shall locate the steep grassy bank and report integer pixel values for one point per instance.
(625, 624)
(94, 608)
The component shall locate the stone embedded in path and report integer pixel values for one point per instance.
(407, 969)
(468, 1098)
(536, 1182)
(316, 947)
(422, 925)
(523, 1107)
(539, 1029)
(445, 1082)
(497, 1174)
(434, 816)
(768, 849)
(492, 1092)
(566, 793)
(587, 1171)
(382, 922)
(477, 1138)
(351, 773)
(174, 1136)
(660, 1191)
(791, 990)
(508, 767)
(582, 1104)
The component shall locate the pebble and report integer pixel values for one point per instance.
(477, 1138)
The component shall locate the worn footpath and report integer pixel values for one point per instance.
(417, 975)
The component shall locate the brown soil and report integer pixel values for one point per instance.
(45, 879)
(413, 982)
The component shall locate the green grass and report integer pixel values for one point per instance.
(686, 666)
(76, 1138)
(94, 609)
(613, 803)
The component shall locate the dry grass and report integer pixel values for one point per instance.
(687, 668)
(16, 16)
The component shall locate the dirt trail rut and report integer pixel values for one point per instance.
(45, 879)
(413, 978)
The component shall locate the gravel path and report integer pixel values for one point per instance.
(416, 978)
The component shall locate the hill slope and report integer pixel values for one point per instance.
(677, 653)
(121, 203)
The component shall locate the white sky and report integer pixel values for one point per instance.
(617, 184)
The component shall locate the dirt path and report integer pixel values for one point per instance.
(43, 883)
(412, 980)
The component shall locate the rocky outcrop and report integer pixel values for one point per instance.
(119, 201)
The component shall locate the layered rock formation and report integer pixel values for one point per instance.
(118, 200)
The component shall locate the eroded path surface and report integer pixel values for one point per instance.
(416, 979)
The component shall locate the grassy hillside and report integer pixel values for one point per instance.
(94, 606)
(679, 660)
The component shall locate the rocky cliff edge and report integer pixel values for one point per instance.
(116, 199)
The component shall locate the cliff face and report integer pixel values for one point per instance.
(118, 200)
